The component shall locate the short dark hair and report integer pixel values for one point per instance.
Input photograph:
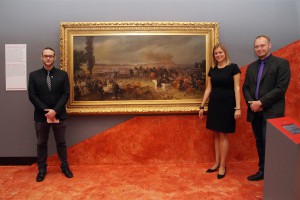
(49, 48)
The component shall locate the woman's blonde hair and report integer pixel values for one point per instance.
(227, 58)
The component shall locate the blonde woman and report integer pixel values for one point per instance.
(223, 92)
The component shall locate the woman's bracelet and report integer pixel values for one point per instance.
(237, 109)
(201, 107)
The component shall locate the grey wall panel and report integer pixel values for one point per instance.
(36, 23)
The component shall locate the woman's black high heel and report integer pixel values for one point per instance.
(212, 170)
(220, 176)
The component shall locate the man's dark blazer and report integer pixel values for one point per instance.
(273, 86)
(42, 98)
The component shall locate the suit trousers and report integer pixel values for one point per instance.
(42, 132)
(259, 124)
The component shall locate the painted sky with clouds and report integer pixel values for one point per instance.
(135, 49)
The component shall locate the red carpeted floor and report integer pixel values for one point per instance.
(160, 181)
(153, 157)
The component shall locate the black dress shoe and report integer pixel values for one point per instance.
(212, 170)
(220, 176)
(256, 177)
(67, 172)
(40, 176)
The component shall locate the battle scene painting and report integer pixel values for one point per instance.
(134, 67)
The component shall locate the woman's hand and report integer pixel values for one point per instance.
(237, 114)
(201, 115)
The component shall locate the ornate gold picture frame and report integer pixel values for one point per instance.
(136, 67)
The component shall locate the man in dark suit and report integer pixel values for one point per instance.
(264, 89)
(49, 91)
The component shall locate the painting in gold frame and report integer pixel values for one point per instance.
(136, 67)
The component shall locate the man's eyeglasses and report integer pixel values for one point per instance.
(48, 56)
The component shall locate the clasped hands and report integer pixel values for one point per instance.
(51, 116)
(256, 106)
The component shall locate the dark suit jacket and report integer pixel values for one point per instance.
(42, 98)
(273, 86)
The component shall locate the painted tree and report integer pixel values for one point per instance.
(79, 59)
(90, 53)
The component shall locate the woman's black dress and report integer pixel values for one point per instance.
(220, 116)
